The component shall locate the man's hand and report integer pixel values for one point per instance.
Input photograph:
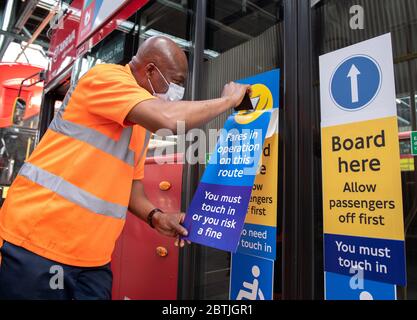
(235, 92)
(169, 224)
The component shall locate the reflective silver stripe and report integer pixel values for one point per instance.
(145, 144)
(71, 192)
(66, 100)
(119, 149)
(67, 97)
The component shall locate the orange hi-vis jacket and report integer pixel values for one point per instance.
(70, 199)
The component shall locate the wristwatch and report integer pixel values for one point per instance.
(150, 216)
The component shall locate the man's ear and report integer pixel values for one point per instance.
(149, 69)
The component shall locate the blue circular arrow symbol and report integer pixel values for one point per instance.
(355, 83)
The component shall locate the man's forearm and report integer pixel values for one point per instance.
(156, 114)
(141, 208)
(197, 113)
(165, 224)
(139, 203)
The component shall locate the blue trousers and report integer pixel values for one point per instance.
(28, 276)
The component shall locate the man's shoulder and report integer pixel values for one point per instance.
(107, 68)
(105, 75)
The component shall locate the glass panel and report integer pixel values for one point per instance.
(332, 29)
(243, 38)
(171, 19)
(116, 48)
(17, 140)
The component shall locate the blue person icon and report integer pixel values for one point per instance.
(253, 286)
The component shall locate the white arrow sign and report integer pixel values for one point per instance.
(353, 75)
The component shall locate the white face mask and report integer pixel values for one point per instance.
(174, 92)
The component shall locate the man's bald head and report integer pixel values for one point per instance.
(161, 53)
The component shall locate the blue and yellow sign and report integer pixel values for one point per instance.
(219, 207)
(259, 234)
(362, 198)
(217, 211)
